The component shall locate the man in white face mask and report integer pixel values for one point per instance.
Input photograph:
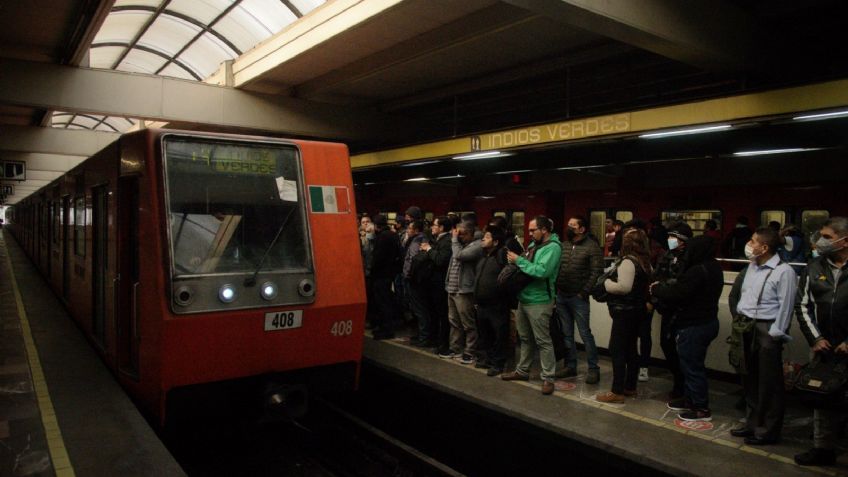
(822, 312)
(763, 294)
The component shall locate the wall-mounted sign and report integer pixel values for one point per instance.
(7, 190)
(13, 170)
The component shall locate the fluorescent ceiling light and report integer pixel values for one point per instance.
(834, 114)
(417, 179)
(577, 168)
(681, 132)
(775, 151)
(451, 177)
(481, 155)
(419, 163)
(514, 172)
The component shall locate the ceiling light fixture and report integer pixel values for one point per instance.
(481, 155)
(419, 163)
(681, 132)
(775, 151)
(514, 172)
(457, 176)
(417, 179)
(812, 117)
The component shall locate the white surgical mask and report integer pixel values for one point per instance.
(826, 246)
(749, 253)
(673, 243)
(815, 254)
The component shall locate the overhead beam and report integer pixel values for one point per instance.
(66, 142)
(115, 93)
(707, 34)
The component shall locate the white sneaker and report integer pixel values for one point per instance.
(643, 374)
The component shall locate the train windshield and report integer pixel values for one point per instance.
(233, 206)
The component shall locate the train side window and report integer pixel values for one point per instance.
(515, 221)
(768, 216)
(428, 217)
(624, 215)
(79, 226)
(391, 217)
(812, 221)
(598, 225)
(697, 219)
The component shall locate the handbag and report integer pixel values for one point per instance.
(822, 382)
(599, 291)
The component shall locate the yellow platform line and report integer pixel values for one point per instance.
(55, 443)
(619, 409)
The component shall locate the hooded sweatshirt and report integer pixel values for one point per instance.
(544, 267)
(697, 290)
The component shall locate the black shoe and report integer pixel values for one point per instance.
(761, 441)
(566, 373)
(816, 456)
(693, 415)
(679, 404)
(482, 364)
(494, 371)
(741, 432)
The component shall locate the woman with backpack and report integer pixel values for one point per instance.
(628, 294)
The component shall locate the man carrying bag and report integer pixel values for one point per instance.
(822, 311)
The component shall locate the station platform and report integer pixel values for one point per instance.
(642, 430)
(61, 411)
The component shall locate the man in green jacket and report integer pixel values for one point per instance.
(536, 302)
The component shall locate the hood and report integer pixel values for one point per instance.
(699, 249)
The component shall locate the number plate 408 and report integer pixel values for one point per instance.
(283, 320)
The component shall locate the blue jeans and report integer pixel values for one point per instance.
(571, 310)
(692, 344)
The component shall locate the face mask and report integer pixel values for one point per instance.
(826, 246)
(570, 233)
(815, 254)
(672, 243)
(749, 253)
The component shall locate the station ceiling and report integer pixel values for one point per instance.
(383, 74)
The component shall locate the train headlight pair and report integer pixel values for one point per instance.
(227, 293)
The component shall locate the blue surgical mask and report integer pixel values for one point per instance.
(673, 243)
(815, 254)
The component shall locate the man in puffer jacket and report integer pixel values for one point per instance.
(536, 302)
(581, 264)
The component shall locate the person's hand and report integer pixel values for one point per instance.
(455, 232)
(822, 345)
(425, 247)
(842, 348)
(511, 256)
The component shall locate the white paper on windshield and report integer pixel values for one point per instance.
(287, 189)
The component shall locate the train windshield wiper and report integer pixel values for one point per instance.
(251, 281)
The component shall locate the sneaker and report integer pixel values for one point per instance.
(447, 354)
(679, 404)
(466, 359)
(593, 376)
(515, 376)
(494, 371)
(695, 415)
(816, 456)
(567, 372)
(610, 397)
(643, 375)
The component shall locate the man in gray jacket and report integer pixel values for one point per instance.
(581, 264)
(459, 284)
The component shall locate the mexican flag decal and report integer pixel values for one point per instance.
(329, 199)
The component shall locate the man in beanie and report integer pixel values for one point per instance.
(669, 268)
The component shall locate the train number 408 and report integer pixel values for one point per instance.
(342, 328)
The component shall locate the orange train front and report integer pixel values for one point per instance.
(202, 264)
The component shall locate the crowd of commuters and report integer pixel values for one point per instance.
(460, 284)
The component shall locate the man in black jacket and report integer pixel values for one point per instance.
(581, 264)
(437, 298)
(822, 310)
(669, 268)
(695, 294)
(385, 265)
(491, 304)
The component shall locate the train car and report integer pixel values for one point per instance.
(777, 189)
(208, 264)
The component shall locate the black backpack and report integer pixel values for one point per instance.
(512, 280)
(422, 268)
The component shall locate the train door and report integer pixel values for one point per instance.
(514, 220)
(598, 224)
(48, 247)
(99, 262)
(66, 246)
(126, 307)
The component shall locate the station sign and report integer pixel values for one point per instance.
(13, 170)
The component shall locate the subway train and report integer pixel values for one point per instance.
(212, 265)
(800, 189)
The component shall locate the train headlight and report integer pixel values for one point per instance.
(268, 290)
(227, 293)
